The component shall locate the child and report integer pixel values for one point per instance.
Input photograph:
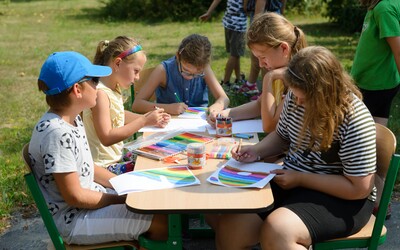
(235, 25)
(256, 7)
(183, 81)
(273, 40)
(107, 124)
(325, 189)
(376, 67)
(84, 207)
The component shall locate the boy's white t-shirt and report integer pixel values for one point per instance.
(59, 147)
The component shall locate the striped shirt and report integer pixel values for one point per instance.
(352, 152)
(235, 18)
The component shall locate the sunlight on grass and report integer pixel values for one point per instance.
(31, 30)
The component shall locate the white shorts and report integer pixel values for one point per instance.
(111, 223)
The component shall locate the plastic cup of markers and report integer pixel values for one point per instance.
(223, 126)
(196, 155)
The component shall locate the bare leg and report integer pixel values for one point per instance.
(283, 229)
(212, 220)
(237, 231)
(254, 69)
(237, 68)
(159, 227)
(230, 66)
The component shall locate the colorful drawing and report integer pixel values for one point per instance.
(171, 146)
(153, 179)
(243, 175)
(193, 112)
(238, 178)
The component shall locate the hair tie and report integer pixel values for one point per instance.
(297, 34)
(131, 51)
(106, 43)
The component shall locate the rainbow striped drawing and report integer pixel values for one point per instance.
(172, 146)
(153, 179)
(194, 112)
(243, 175)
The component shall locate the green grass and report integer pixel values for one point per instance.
(31, 30)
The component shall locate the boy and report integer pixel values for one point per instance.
(84, 207)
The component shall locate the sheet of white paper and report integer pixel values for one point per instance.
(189, 125)
(211, 130)
(247, 126)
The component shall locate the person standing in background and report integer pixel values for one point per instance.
(376, 63)
(235, 25)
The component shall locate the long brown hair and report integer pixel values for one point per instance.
(272, 29)
(329, 91)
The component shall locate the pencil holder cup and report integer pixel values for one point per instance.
(223, 126)
(196, 153)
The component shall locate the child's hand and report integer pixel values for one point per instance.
(156, 117)
(212, 116)
(245, 153)
(286, 179)
(165, 118)
(205, 17)
(176, 108)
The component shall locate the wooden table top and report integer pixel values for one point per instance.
(203, 198)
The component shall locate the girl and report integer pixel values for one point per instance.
(325, 188)
(107, 124)
(183, 81)
(273, 40)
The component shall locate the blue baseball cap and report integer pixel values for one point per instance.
(61, 70)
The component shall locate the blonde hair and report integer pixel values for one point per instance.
(109, 50)
(195, 49)
(272, 29)
(328, 90)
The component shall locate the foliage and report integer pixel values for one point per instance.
(305, 7)
(157, 10)
(349, 14)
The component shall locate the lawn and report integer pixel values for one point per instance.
(31, 30)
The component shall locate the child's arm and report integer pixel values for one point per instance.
(394, 43)
(259, 7)
(269, 111)
(76, 196)
(142, 104)
(157, 117)
(104, 129)
(212, 7)
(221, 99)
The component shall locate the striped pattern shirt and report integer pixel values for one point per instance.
(235, 18)
(352, 152)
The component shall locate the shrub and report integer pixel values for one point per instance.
(157, 10)
(348, 14)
